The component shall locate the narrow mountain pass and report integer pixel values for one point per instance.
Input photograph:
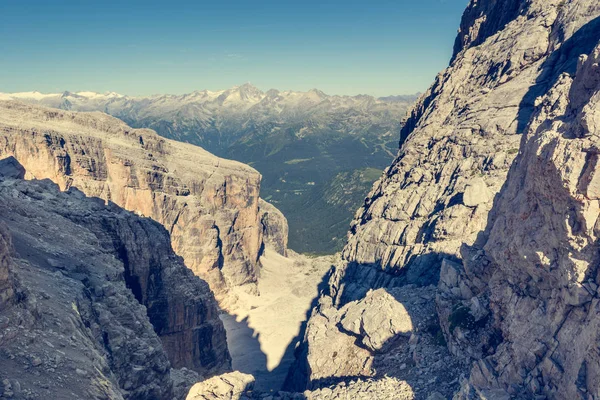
(263, 330)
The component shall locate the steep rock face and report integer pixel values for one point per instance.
(275, 227)
(210, 206)
(541, 280)
(75, 328)
(9, 169)
(180, 306)
(459, 142)
(458, 145)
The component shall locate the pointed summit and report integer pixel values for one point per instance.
(318, 92)
(248, 90)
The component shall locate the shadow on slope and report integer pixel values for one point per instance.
(420, 357)
(179, 305)
(249, 357)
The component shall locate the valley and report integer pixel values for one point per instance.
(148, 244)
(301, 142)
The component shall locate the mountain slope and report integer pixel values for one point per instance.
(210, 206)
(102, 307)
(522, 301)
(298, 141)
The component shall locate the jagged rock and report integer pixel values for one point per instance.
(542, 278)
(436, 396)
(210, 206)
(275, 227)
(229, 386)
(6, 253)
(327, 353)
(386, 388)
(390, 333)
(434, 200)
(477, 193)
(183, 380)
(459, 143)
(102, 304)
(378, 319)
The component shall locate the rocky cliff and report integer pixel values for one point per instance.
(6, 284)
(457, 148)
(459, 143)
(210, 206)
(102, 307)
(539, 284)
(275, 227)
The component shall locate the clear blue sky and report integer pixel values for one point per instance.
(378, 47)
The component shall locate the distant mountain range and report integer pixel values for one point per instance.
(310, 147)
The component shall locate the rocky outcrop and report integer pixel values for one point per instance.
(361, 389)
(540, 282)
(103, 308)
(512, 300)
(11, 169)
(459, 143)
(6, 284)
(181, 307)
(227, 387)
(210, 206)
(389, 333)
(275, 227)
(231, 386)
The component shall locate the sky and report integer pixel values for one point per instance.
(139, 48)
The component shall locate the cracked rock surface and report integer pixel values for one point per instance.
(541, 281)
(510, 259)
(209, 205)
(101, 306)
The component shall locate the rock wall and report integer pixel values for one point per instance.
(458, 145)
(6, 284)
(180, 306)
(103, 308)
(210, 206)
(275, 227)
(515, 281)
(541, 281)
(9, 169)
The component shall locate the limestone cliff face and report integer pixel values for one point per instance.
(103, 308)
(519, 298)
(275, 227)
(210, 206)
(540, 282)
(179, 305)
(459, 143)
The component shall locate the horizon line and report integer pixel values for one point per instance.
(62, 92)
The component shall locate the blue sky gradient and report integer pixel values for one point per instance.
(378, 47)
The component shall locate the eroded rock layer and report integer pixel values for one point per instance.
(540, 282)
(459, 143)
(210, 206)
(103, 308)
(519, 298)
